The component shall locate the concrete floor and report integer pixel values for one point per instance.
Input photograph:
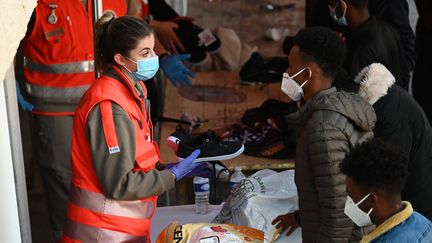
(244, 16)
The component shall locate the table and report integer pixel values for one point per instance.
(186, 214)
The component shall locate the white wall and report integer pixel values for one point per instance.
(14, 16)
(10, 229)
(14, 221)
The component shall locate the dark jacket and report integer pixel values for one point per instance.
(328, 126)
(402, 122)
(396, 13)
(372, 42)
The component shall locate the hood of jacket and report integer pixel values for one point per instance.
(352, 106)
(374, 80)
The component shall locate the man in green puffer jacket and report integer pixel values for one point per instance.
(329, 123)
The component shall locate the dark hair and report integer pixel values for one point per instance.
(359, 3)
(375, 164)
(322, 46)
(117, 35)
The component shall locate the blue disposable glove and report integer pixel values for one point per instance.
(24, 104)
(175, 70)
(186, 166)
(203, 170)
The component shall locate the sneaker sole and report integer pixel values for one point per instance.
(221, 157)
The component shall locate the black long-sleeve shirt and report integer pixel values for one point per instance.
(375, 41)
(396, 12)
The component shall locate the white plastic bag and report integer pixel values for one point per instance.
(259, 199)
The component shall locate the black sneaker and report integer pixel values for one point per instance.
(258, 71)
(180, 134)
(212, 148)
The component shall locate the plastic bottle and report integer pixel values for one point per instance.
(202, 193)
(236, 178)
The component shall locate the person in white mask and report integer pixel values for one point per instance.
(328, 122)
(375, 176)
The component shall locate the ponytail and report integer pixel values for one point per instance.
(103, 48)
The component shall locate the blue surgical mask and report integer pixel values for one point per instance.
(342, 21)
(146, 68)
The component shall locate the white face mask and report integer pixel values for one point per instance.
(291, 88)
(357, 215)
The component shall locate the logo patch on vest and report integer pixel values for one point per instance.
(114, 150)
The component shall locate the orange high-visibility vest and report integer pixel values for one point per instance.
(92, 217)
(59, 52)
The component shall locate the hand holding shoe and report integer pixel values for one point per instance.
(186, 166)
(166, 35)
(203, 170)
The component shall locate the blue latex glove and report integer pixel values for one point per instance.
(24, 104)
(203, 170)
(186, 166)
(175, 70)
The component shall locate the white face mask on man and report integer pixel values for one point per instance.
(291, 88)
(357, 215)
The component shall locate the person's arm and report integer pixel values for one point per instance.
(159, 48)
(114, 170)
(326, 148)
(164, 32)
(161, 11)
(397, 15)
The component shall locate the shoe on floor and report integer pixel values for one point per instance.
(257, 71)
(211, 146)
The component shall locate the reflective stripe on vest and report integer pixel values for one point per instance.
(98, 203)
(51, 92)
(84, 233)
(62, 68)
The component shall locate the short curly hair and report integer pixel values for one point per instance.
(322, 46)
(375, 164)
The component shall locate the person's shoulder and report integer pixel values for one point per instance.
(419, 219)
(416, 228)
(344, 109)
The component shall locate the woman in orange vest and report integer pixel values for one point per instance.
(115, 183)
